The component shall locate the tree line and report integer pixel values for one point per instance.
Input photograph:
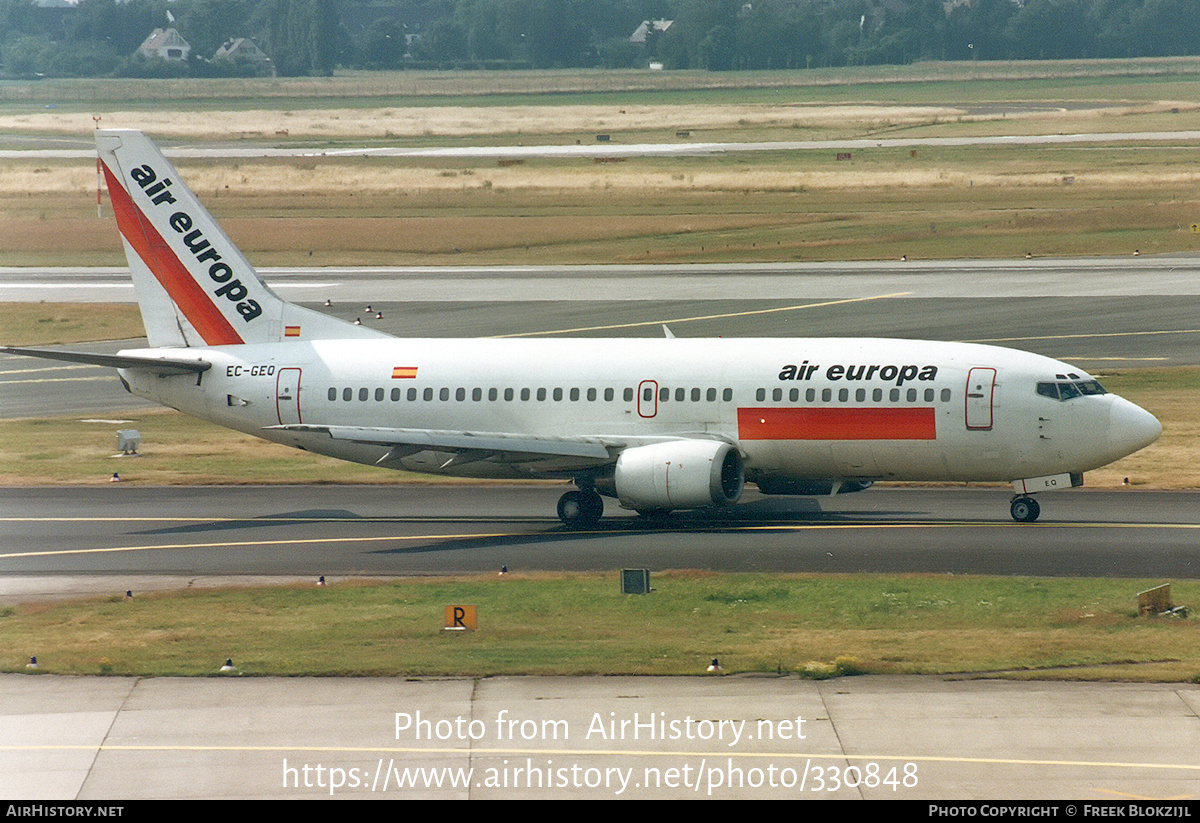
(99, 37)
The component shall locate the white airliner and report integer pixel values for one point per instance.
(657, 424)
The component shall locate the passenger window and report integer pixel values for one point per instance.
(843, 395)
(695, 395)
(608, 395)
(574, 394)
(508, 394)
(877, 395)
(810, 395)
(760, 395)
(794, 395)
(379, 394)
(347, 394)
(711, 395)
(493, 394)
(727, 395)
(912, 395)
(363, 394)
(476, 394)
(826, 395)
(444, 394)
(558, 394)
(929, 395)
(945, 395)
(894, 396)
(680, 395)
(591, 395)
(777, 395)
(860, 395)
(333, 394)
(524, 394)
(541, 394)
(460, 394)
(395, 394)
(428, 394)
(664, 394)
(628, 395)
(412, 394)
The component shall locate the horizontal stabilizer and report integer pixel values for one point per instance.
(153, 365)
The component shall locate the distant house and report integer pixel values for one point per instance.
(657, 26)
(165, 43)
(245, 50)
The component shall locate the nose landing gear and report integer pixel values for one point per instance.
(1025, 509)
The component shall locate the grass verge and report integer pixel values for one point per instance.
(581, 624)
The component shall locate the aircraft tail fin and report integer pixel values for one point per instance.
(193, 285)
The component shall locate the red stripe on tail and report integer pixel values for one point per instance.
(168, 269)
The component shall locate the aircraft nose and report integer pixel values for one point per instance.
(1130, 427)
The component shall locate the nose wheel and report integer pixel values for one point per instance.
(1025, 509)
(580, 509)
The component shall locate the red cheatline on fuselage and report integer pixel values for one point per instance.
(828, 423)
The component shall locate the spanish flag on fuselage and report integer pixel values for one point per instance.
(403, 372)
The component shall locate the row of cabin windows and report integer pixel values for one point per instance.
(574, 395)
(665, 394)
(910, 395)
(477, 394)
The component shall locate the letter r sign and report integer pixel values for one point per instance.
(460, 618)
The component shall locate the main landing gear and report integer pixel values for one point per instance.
(580, 509)
(1025, 509)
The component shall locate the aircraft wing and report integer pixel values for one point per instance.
(154, 365)
(552, 453)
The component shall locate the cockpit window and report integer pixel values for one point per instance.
(1069, 390)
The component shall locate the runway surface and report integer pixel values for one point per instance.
(610, 148)
(184, 532)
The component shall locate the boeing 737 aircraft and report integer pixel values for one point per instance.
(656, 424)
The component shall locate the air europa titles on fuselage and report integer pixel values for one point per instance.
(838, 371)
(219, 272)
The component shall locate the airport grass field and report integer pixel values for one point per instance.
(881, 202)
(817, 626)
(877, 203)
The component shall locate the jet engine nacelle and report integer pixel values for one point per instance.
(680, 474)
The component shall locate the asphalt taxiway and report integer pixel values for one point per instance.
(125, 532)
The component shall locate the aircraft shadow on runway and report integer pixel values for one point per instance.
(754, 514)
(285, 519)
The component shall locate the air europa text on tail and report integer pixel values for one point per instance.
(219, 272)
